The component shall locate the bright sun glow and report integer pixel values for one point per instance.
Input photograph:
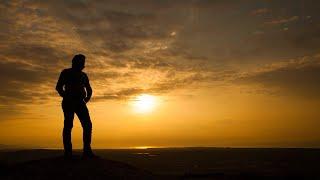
(144, 103)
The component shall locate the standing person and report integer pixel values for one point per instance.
(73, 85)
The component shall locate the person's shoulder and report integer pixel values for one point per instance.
(66, 70)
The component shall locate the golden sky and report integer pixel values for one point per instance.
(164, 73)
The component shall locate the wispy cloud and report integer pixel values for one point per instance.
(282, 20)
(298, 77)
(260, 11)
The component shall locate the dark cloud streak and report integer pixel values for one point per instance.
(299, 78)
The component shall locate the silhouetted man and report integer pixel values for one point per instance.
(73, 85)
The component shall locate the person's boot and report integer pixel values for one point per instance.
(87, 151)
(88, 154)
(67, 145)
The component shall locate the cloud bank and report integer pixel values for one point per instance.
(157, 46)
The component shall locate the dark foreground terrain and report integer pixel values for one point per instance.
(77, 168)
(170, 163)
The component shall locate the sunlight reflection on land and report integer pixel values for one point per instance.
(144, 147)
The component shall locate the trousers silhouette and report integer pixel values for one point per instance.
(78, 107)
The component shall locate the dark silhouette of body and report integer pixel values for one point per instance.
(73, 85)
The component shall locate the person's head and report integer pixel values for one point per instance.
(78, 61)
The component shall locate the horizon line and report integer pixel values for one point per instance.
(163, 147)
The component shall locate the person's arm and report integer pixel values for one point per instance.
(88, 90)
(60, 84)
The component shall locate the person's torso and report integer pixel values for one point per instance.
(75, 82)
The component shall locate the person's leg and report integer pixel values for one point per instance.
(68, 111)
(84, 117)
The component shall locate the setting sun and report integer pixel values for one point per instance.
(144, 103)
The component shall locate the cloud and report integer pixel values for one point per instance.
(260, 11)
(18, 80)
(120, 43)
(297, 77)
(119, 95)
(130, 46)
(35, 54)
(157, 88)
(282, 20)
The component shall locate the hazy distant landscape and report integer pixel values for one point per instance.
(212, 163)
